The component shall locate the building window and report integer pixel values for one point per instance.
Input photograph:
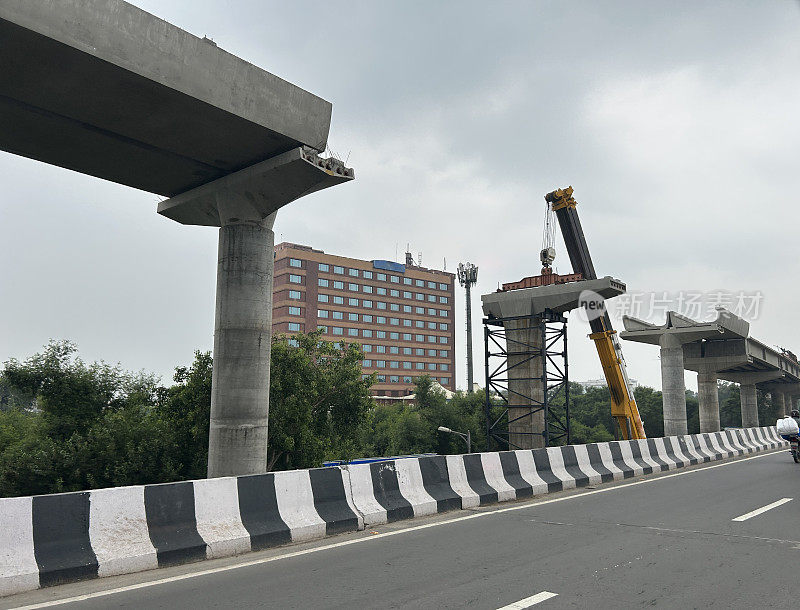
(365, 376)
(381, 277)
(444, 367)
(443, 300)
(381, 364)
(406, 336)
(338, 300)
(338, 315)
(366, 348)
(338, 269)
(394, 293)
(419, 324)
(295, 279)
(407, 309)
(381, 334)
(394, 364)
(366, 317)
(406, 294)
(353, 317)
(323, 282)
(419, 310)
(406, 365)
(419, 337)
(406, 351)
(380, 291)
(394, 279)
(443, 353)
(366, 303)
(432, 285)
(293, 343)
(338, 285)
(406, 322)
(324, 329)
(392, 321)
(381, 378)
(420, 366)
(367, 275)
(352, 302)
(443, 313)
(431, 366)
(432, 325)
(444, 380)
(407, 281)
(366, 288)
(352, 332)
(366, 333)
(322, 298)
(442, 286)
(380, 319)
(393, 349)
(293, 262)
(294, 327)
(324, 267)
(367, 363)
(381, 349)
(443, 326)
(419, 351)
(353, 272)
(294, 311)
(407, 378)
(295, 294)
(352, 287)
(432, 352)
(381, 305)
(432, 298)
(338, 330)
(419, 296)
(394, 336)
(431, 339)
(442, 339)
(420, 283)
(394, 306)
(394, 379)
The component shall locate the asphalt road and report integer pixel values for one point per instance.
(666, 540)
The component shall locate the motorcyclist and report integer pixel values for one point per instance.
(795, 415)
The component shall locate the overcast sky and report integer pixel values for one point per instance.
(677, 124)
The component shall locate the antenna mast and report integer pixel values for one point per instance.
(467, 277)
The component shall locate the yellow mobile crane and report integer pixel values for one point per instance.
(623, 408)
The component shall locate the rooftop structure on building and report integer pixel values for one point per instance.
(401, 315)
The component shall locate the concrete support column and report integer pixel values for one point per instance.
(242, 340)
(709, 401)
(747, 392)
(778, 404)
(525, 384)
(673, 386)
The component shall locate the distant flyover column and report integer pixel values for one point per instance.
(708, 397)
(748, 395)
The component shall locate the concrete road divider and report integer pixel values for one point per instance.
(48, 540)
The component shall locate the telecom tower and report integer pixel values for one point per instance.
(467, 277)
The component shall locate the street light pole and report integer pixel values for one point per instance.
(467, 437)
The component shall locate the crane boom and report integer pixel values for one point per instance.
(623, 408)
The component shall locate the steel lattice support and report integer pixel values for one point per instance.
(546, 398)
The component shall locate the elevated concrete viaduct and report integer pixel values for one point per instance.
(106, 89)
(721, 349)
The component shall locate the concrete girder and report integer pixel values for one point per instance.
(106, 89)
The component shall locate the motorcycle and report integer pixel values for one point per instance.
(794, 449)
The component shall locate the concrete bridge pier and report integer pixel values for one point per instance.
(778, 403)
(673, 386)
(748, 395)
(525, 384)
(708, 397)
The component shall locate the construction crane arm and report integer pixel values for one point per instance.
(623, 407)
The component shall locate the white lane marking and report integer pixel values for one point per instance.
(763, 509)
(529, 601)
(254, 562)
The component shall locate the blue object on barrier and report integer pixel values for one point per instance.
(375, 459)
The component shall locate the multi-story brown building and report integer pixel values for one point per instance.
(402, 315)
